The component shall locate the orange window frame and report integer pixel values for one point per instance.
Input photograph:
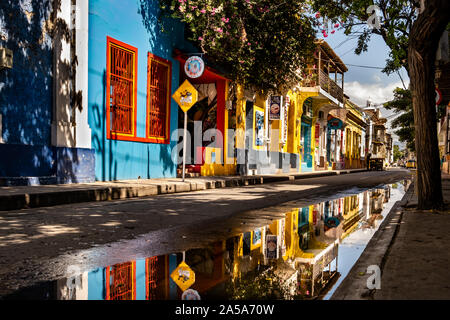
(152, 59)
(110, 42)
(110, 273)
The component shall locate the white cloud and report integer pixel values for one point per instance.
(377, 93)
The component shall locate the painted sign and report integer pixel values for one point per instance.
(275, 103)
(183, 276)
(271, 246)
(186, 96)
(259, 128)
(194, 67)
(335, 124)
(256, 237)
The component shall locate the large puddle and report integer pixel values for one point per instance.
(303, 255)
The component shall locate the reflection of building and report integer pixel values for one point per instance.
(73, 288)
(312, 274)
(297, 254)
(121, 281)
(352, 214)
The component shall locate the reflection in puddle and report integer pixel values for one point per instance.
(304, 255)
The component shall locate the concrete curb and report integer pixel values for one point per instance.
(96, 192)
(354, 286)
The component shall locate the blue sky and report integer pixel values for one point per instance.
(363, 84)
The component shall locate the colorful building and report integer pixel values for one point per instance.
(319, 94)
(354, 133)
(112, 116)
(132, 77)
(43, 95)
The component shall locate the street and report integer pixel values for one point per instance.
(38, 244)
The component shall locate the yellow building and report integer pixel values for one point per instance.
(319, 94)
(354, 136)
(286, 132)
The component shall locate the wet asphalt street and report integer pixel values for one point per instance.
(38, 244)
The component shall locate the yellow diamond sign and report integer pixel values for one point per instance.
(183, 276)
(186, 96)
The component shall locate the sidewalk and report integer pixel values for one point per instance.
(412, 249)
(22, 197)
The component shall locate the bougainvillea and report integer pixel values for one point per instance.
(261, 43)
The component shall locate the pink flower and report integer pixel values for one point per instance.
(249, 44)
(203, 11)
(220, 30)
(200, 38)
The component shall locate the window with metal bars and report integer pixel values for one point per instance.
(158, 98)
(120, 281)
(152, 277)
(121, 84)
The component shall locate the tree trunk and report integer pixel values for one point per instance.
(423, 44)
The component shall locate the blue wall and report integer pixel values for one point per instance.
(26, 90)
(26, 103)
(134, 22)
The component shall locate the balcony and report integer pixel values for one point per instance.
(322, 65)
(378, 138)
(319, 78)
(331, 87)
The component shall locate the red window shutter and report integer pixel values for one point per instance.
(121, 80)
(158, 99)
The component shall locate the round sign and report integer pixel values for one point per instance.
(190, 294)
(438, 97)
(194, 67)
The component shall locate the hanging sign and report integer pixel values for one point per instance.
(438, 96)
(190, 294)
(275, 103)
(194, 67)
(183, 276)
(271, 247)
(285, 118)
(335, 124)
(186, 96)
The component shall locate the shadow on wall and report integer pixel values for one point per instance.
(162, 31)
(105, 148)
(100, 143)
(26, 90)
(32, 30)
(164, 34)
(148, 160)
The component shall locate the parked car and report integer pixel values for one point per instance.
(411, 164)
